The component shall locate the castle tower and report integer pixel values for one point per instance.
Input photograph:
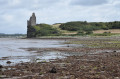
(32, 20)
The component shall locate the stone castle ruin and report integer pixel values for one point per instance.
(30, 23)
(32, 20)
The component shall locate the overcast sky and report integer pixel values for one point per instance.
(15, 13)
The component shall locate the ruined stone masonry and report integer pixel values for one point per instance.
(30, 23)
(32, 20)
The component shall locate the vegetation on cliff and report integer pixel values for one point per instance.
(89, 26)
(42, 30)
(72, 28)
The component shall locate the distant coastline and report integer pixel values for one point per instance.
(2, 35)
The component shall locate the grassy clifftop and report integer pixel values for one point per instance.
(74, 28)
(89, 26)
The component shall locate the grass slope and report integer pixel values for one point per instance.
(64, 31)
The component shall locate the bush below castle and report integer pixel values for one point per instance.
(42, 30)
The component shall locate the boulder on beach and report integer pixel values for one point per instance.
(1, 66)
(8, 62)
(53, 70)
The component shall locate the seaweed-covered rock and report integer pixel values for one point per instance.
(53, 70)
(1, 66)
(8, 62)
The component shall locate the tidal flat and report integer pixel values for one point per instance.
(78, 58)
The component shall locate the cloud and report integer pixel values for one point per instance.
(15, 13)
(26, 4)
(89, 2)
(8, 18)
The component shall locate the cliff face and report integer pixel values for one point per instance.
(30, 23)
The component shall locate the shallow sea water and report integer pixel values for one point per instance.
(10, 50)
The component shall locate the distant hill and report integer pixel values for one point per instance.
(12, 35)
(1, 33)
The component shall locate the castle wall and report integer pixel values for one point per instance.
(32, 20)
(30, 23)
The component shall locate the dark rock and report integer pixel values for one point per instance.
(103, 67)
(1, 66)
(8, 62)
(114, 51)
(68, 46)
(53, 70)
(115, 55)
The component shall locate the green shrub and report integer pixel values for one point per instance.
(42, 30)
(81, 32)
(89, 32)
(89, 26)
(106, 33)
